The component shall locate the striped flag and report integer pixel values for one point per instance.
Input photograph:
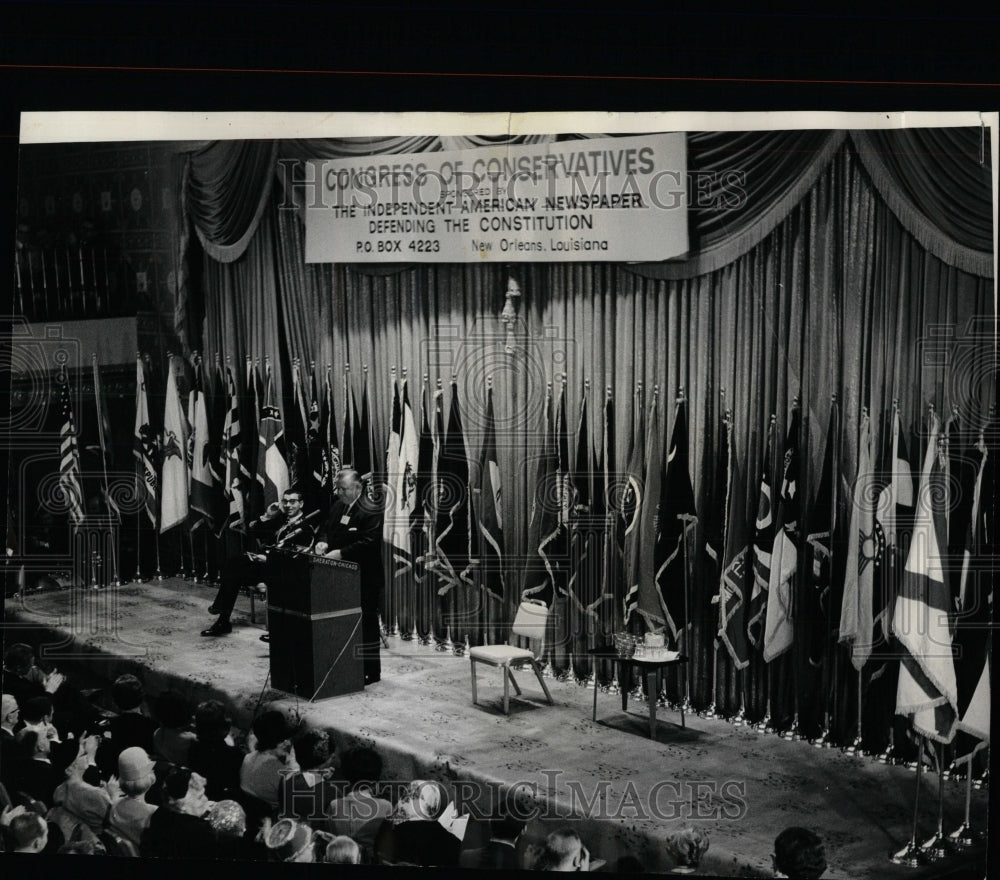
(490, 511)
(975, 600)
(145, 447)
(543, 523)
(272, 466)
(364, 441)
(676, 521)
(331, 441)
(404, 494)
(452, 538)
(236, 476)
(927, 688)
(733, 584)
(250, 450)
(650, 604)
(763, 544)
(632, 504)
(823, 520)
(104, 437)
(779, 627)
(392, 465)
(174, 473)
(69, 457)
(201, 473)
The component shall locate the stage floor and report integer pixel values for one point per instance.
(624, 792)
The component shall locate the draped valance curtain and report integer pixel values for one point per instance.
(832, 278)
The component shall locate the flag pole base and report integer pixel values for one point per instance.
(710, 711)
(888, 756)
(822, 741)
(965, 836)
(854, 748)
(159, 575)
(909, 856)
(793, 734)
(936, 847)
(739, 719)
(447, 644)
(395, 627)
(613, 686)
(983, 781)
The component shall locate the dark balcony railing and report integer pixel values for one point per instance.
(71, 283)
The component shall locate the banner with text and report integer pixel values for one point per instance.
(616, 199)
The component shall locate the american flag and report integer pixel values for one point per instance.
(69, 458)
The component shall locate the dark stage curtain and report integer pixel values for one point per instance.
(836, 294)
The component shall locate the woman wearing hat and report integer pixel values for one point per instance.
(130, 816)
(180, 826)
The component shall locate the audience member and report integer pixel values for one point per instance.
(262, 769)
(686, 847)
(500, 852)
(173, 738)
(9, 715)
(413, 835)
(289, 841)
(228, 820)
(130, 815)
(342, 851)
(22, 679)
(359, 813)
(562, 851)
(130, 727)
(798, 854)
(212, 754)
(80, 808)
(34, 773)
(178, 827)
(629, 865)
(305, 795)
(27, 832)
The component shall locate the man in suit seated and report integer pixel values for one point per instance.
(501, 850)
(282, 525)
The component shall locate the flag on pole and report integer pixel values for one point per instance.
(820, 541)
(543, 524)
(927, 688)
(272, 466)
(763, 544)
(735, 572)
(452, 539)
(297, 436)
(251, 449)
(584, 588)
(779, 629)
(69, 457)
(864, 552)
(217, 403)
(632, 505)
(319, 461)
(332, 442)
(490, 508)
(676, 521)
(364, 441)
(145, 447)
(392, 464)
(405, 491)
(975, 600)
(174, 474)
(237, 477)
(104, 437)
(650, 606)
(350, 418)
(610, 506)
(201, 473)
(422, 518)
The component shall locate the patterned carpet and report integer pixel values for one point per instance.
(740, 786)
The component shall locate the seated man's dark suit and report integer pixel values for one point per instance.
(356, 531)
(242, 570)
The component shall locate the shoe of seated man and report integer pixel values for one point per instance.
(219, 628)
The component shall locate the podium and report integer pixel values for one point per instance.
(314, 617)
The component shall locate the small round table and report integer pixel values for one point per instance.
(650, 668)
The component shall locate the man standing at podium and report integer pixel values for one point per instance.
(281, 525)
(354, 533)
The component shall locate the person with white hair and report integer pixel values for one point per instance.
(413, 835)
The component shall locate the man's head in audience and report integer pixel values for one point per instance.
(687, 846)
(135, 772)
(272, 732)
(228, 818)
(342, 851)
(798, 854)
(127, 693)
(506, 829)
(211, 721)
(361, 767)
(28, 833)
(19, 658)
(563, 851)
(9, 713)
(82, 848)
(312, 749)
(37, 712)
(422, 800)
(33, 744)
(184, 792)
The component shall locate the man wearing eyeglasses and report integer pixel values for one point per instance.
(353, 533)
(282, 525)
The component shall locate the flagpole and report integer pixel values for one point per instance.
(855, 747)
(965, 835)
(159, 513)
(194, 565)
(104, 469)
(910, 855)
(823, 741)
(688, 628)
(937, 846)
(793, 733)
